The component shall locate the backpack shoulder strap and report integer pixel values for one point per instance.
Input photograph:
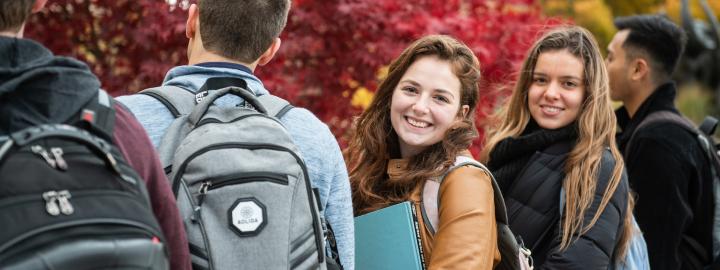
(275, 106)
(179, 101)
(659, 117)
(97, 116)
(702, 134)
(708, 126)
(430, 204)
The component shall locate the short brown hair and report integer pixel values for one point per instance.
(13, 13)
(241, 30)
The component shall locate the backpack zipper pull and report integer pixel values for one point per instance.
(201, 197)
(39, 150)
(64, 201)
(57, 152)
(51, 206)
(203, 190)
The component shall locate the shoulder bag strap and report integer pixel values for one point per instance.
(179, 101)
(430, 204)
(275, 105)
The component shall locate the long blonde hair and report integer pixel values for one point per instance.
(596, 125)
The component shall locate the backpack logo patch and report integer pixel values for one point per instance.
(247, 217)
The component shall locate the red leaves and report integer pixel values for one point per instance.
(128, 44)
(359, 37)
(329, 46)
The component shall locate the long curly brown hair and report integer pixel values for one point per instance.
(373, 141)
(596, 132)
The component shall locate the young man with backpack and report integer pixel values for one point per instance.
(38, 88)
(228, 40)
(666, 162)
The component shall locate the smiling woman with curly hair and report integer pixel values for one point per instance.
(420, 122)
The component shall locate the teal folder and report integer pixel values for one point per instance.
(388, 239)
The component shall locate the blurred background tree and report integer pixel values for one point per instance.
(129, 44)
(334, 52)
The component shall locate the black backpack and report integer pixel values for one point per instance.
(704, 134)
(70, 201)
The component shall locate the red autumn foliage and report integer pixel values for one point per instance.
(327, 44)
(129, 44)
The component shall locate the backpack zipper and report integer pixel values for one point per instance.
(55, 158)
(218, 182)
(56, 197)
(255, 146)
(40, 151)
(51, 206)
(201, 198)
(57, 152)
(236, 179)
(64, 201)
(57, 202)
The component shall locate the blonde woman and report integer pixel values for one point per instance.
(557, 134)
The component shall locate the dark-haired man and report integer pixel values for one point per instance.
(665, 162)
(231, 39)
(37, 87)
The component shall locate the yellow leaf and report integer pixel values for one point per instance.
(362, 98)
(382, 73)
(353, 84)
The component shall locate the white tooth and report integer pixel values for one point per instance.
(419, 124)
(552, 109)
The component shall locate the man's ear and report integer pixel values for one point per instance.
(639, 69)
(270, 52)
(192, 22)
(39, 4)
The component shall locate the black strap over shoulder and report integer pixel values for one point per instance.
(702, 134)
(97, 116)
(709, 125)
(659, 117)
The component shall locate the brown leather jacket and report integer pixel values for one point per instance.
(467, 235)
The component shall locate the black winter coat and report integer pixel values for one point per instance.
(533, 200)
(668, 171)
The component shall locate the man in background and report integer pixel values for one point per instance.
(665, 162)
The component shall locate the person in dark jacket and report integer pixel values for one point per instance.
(37, 87)
(665, 162)
(557, 133)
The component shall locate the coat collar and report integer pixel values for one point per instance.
(662, 99)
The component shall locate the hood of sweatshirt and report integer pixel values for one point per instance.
(37, 87)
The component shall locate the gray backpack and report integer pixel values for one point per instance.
(241, 186)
